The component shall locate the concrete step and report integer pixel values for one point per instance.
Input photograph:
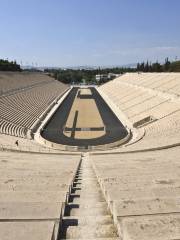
(86, 215)
(87, 220)
(87, 188)
(98, 231)
(87, 195)
(89, 212)
(87, 175)
(80, 180)
(114, 238)
(89, 200)
(78, 210)
(86, 205)
(87, 184)
(90, 178)
(89, 191)
(87, 180)
(86, 169)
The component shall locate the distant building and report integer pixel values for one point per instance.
(113, 75)
(101, 77)
(106, 77)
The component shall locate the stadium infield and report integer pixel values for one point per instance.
(84, 119)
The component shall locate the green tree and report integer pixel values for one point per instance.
(166, 66)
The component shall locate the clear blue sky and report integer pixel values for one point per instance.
(89, 32)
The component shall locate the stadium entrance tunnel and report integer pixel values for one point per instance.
(84, 120)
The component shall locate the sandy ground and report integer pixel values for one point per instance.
(87, 115)
(85, 91)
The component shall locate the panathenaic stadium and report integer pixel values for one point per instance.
(88, 162)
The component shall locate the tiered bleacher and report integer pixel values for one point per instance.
(24, 98)
(141, 180)
(33, 190)
(142, 191)
(11, 81)
(150, 101)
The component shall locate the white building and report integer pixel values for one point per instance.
(106, 77)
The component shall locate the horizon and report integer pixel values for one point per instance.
(103, 33)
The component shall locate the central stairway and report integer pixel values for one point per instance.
(86, 215)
